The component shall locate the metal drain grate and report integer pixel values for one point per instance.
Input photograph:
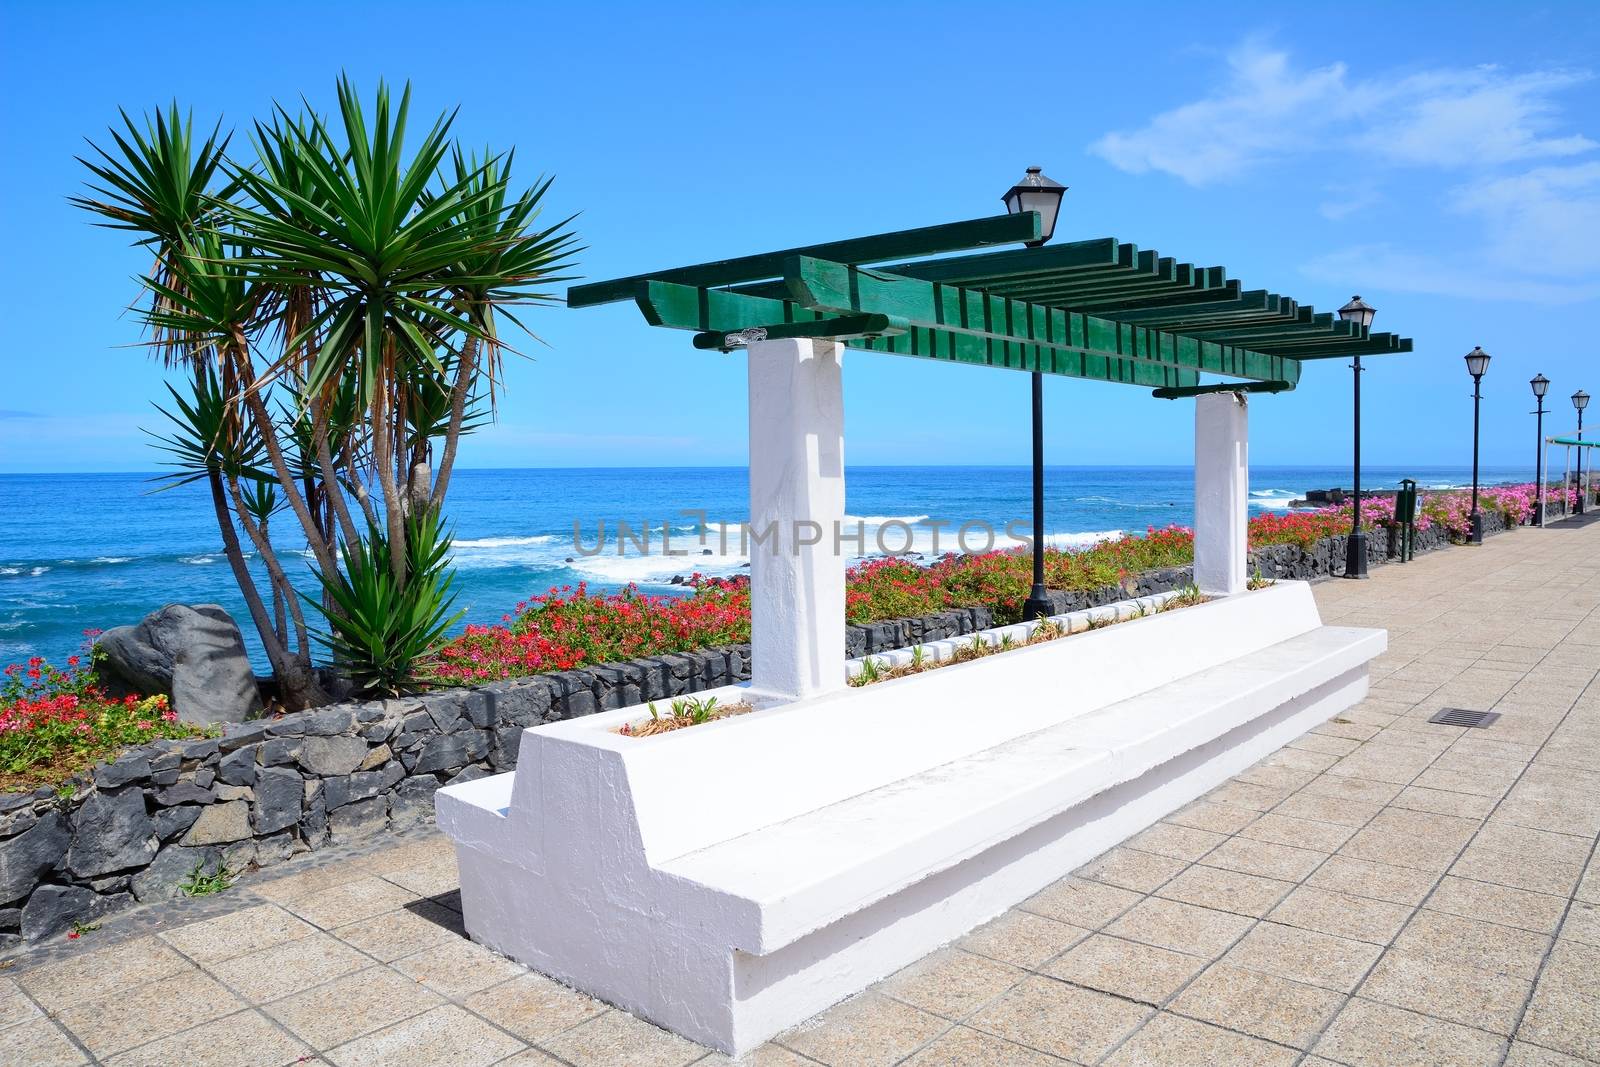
(1465, 717)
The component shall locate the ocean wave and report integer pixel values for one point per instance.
(107, 559)
(197, 560)
(503, 542)
(9, 571)
(37, 571)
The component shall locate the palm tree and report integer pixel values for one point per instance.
(361, 286)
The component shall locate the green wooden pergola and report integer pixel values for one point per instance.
(1098, 309)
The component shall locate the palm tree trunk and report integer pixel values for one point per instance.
(458, 410)
(393, 505)
(330, 477)
(274, 568)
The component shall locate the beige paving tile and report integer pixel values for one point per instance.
(398, 933)
(288, 968)
(303, 883)
(1222, 890)
(1341, 811)
(1485, 999)
(534, 1007)
(457, 968)
(962, 1047)
(428, 878)
(1182, 927)
(1573, 967)
(1304, 956)
(15, 1007)
(1442, 802)
(1081, 903)
(1022, 939)
(245, 1039)
(1538, 912)
(1401, 849)
(1130, 869)
(39, 1043)
(1239, 794)
(951, 982)
(1525, 1055)
(1126, 968)
(1220, 818)
(1333, 746)
(1330, 912)
(410, 854)
(1264, 859)
(148, 1012)
(1264, 1005)
(1564, 1021)
(1172, 1039)
(1582, 923)
(1557, 877)
(367, 1000)
(1175, 840)
(350, 901)
(238, 933)
(1379, 881)
(1281, 829)
(868, 1030)
(1060, 1019)
(446, 1034)
(1367, 1034)
(102, 972)
(1472, 943)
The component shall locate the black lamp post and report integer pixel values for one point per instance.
(1360, 313)
(1580, 400)
(1541, 386)
(1035, 192)
(1477, 363)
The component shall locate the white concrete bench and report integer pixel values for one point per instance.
(729, 880)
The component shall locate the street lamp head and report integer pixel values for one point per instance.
(1035, 192)
(1541, 385)
(1477, 362)
(1359, 312)
(1580, 400)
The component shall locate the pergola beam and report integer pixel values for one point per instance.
(1220, 387)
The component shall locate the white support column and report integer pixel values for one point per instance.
(1221, 492)
(796, 507)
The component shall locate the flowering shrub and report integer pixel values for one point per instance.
(54, 721)
(571, 627)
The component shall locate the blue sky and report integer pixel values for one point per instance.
(1441, 159)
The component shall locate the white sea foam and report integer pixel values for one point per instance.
(36, 571)
(1273, 499)
(880, 520)
(9, 571)
(197, 560)
(504, 542)
(109, 559)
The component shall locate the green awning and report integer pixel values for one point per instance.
(1572, 441)
(1099, 309)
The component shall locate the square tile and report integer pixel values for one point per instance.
(456, 968)
(1176, 1040)
(1126, 968)
(39, 1043)
(1353, 788)
(1264, 859)
(412, 928)
(1341, 811)
(1129, 869)
(1181, 927)
(1471, 943)
(1375, 1035)
(1063, 1020)
(1175, 840)
(1565, 1021)
(868, 1030)
(147, 1012)
(1379, 881)
(1489, 902)
(1304, 956)
(246, 1039)
(534, 1007)
(1573, 967)
(367, 1000)
(1330, 912)
(1022, 939)
(1440, 802)
(1263, 1005)
(1537, 874)
(962, 1047)
(288, 968)
(102, 972)
(950, 982)
(1239, 794)
(1282, 829)
(443, 1035)
(351, 901)
(1220, 890)
(1219, 818)
(238, 933)
(1089, 905)
(1449, 991)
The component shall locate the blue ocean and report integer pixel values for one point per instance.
(81, 551)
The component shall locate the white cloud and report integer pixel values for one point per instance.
(1268, 110)
(1382, 267)
(1544, 221)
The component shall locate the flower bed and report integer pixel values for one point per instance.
(55, 721)
(571, 627)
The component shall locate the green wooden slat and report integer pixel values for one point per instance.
(976, 271)
(926, 241)
(840, 328)
(838, 288)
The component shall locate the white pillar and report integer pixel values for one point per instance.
(1221, 492)
(796, 507)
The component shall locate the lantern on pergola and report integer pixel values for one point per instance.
(1035, 192)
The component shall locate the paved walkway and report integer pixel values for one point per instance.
(1380, 892)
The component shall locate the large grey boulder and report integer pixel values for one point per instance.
(194, 654)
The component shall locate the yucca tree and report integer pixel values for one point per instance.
(345, 291)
